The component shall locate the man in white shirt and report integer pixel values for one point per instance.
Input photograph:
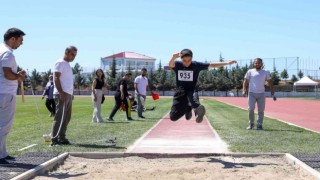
(9, 78)
(255, 78)
(63, 92)
(141, 86)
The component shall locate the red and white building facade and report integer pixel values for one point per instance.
(124, 60)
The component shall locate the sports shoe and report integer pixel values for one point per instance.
(142, 117)
(200, 111)
(130, 119)
(10, 158)
(55, 143)
(110, 119)
(250, 127)
(259, 128)
(188, 115)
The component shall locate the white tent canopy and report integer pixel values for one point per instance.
(306, 81)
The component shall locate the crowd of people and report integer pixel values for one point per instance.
(59, 91)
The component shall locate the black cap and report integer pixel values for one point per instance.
(186, 53)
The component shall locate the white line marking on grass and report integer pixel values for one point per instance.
(291, 124)
(27, 147)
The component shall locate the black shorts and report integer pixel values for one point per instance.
(183, 102)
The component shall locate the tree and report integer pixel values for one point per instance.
(238, 77)
(19, 68)
(275, 76)
(35, 79)
(300, 74)
(45, 77)
(294, 79)
(113, 68)
(79, 79)
(151, 78)
(221, 59)
(284, 74)
(90, 77)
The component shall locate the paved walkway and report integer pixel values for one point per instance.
(300, 112)
(180, 137)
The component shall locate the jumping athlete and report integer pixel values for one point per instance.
(186, 96)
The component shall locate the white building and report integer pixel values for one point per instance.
(124, 60)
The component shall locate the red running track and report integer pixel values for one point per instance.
(180, 137)
(303, 113)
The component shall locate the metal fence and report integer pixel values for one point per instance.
(309, 67)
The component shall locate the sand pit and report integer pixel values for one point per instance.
(215, 167)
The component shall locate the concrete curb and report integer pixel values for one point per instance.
(101, 155)
(46, 166)
(302, 166)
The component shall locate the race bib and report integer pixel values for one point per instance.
(185, 75)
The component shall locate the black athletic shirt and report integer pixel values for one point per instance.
(187, 77)
(99, 84)
(125, 87)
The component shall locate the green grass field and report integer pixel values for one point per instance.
(230, 122)
(86, 136)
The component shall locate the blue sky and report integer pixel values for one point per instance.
(240, 29)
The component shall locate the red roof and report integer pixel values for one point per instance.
(129, 55)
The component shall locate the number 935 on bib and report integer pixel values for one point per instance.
(185, 75)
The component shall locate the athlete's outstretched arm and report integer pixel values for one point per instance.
(173, 59)
(219, 64)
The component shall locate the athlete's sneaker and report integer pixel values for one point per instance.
(259, 128)
(188, 115)
(200, 111)
(250, 127)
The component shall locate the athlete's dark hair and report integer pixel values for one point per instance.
(12, 32)
(71, 48)
(186, 53)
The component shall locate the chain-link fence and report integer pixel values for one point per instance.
(309, 67)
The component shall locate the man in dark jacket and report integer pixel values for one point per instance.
(48, 91)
